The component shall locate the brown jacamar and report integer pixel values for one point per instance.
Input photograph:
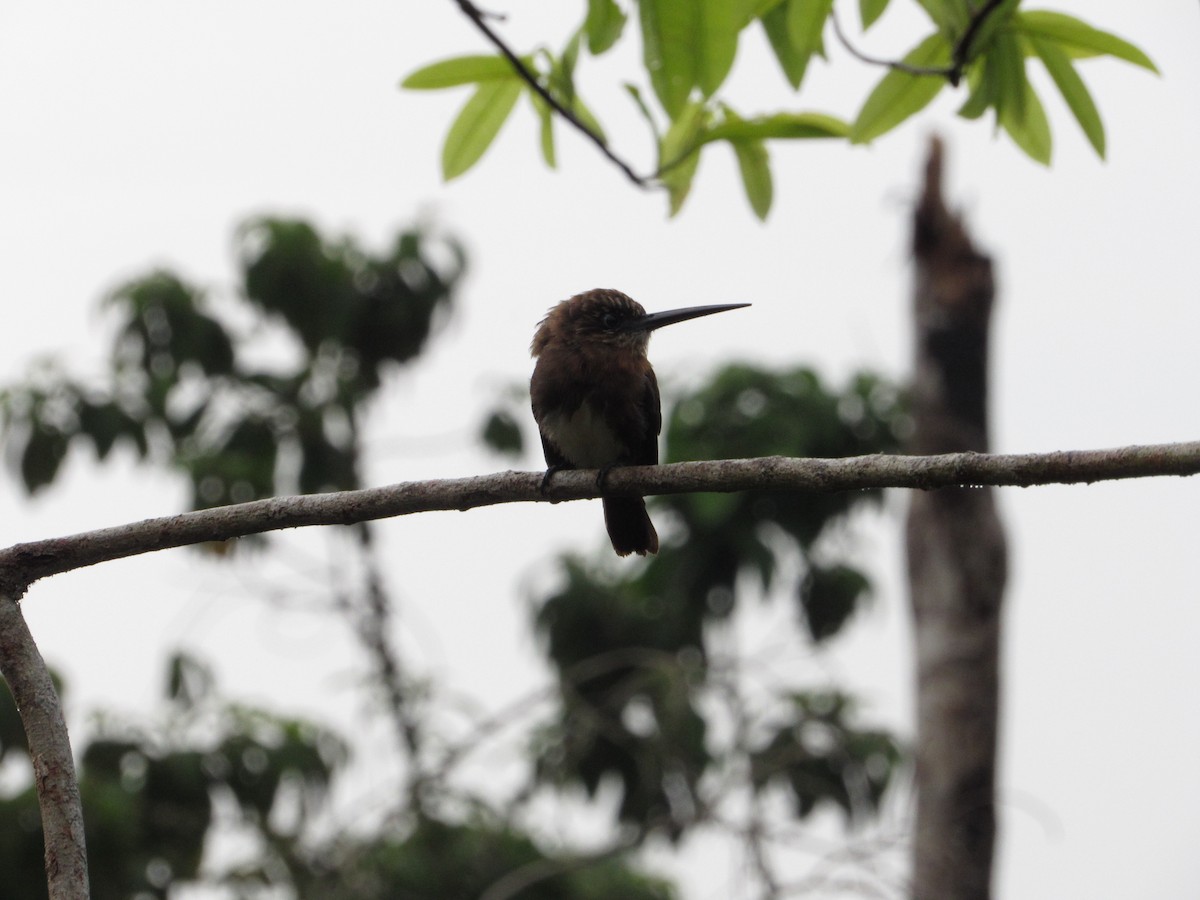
(595, 397)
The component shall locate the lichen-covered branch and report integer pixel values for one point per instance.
(23, 564)
(49, 751)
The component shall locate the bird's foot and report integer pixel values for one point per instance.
(545, 485)
(602, 475)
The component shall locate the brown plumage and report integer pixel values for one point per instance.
(596, 400)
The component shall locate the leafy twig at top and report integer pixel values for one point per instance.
(962, 49)
(472, 12)
(689, 49)
(959, 57)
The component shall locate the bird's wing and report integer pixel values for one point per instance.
(647, 453)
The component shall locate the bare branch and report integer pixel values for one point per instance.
(959, 57)
(49, 751)
(895, 64)
(373, 623)
(963, 48)
(23, 564)
(472, 12)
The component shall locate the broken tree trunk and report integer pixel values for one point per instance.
(956, 561)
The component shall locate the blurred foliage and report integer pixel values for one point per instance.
(632, 650)
(688, 50)
(187, 388)
(154, 793)
(823, 760)
(642, 701)
(461, 861)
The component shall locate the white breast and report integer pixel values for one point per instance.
(583, 437)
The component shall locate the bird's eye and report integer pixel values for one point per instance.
(609, 320)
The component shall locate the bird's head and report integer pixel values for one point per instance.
(610, 318)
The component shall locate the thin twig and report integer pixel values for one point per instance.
(962, 48)
(472, 12)
(894, 64)
(374, 626)
(744, 715)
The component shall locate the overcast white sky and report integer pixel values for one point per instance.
(138, 133)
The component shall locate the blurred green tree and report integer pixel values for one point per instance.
(642, 695)
(155, 790)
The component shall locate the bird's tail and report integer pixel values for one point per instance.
(629, 526)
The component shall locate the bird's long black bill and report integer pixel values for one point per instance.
(671, 316)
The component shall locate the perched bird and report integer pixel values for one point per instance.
(595, 397)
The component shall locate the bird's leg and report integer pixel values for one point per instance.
(602, 475)
(557, 467)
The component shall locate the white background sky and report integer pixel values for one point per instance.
(135, 134)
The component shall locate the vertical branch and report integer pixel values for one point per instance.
(956, 561)
(371, 617)
(49, 751)
(374, 628)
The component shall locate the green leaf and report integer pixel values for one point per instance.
(458, 71)
(795, 30)
(1079, 36)
(870, 11)
(189, 681)
(104, 423)
(780, 125)
(1030, 132)
(900, 95)
(636, 94)
(679, 182)
(755, 165)
(603, 25)
(477, 125)
(43, 455)
(686, 45)
(1006, 72)
(982, 94)
(562, 85)
(683, 136)
(502, 433)
(829, 596)
(950, 16)
(719, 24)
(1073, 90)
(585, 115)
(566, 65)
(668, 35)
(756, 9)
(793, 61)
(546, 129)
(806, 24)
(997, 21)
(679, 154)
